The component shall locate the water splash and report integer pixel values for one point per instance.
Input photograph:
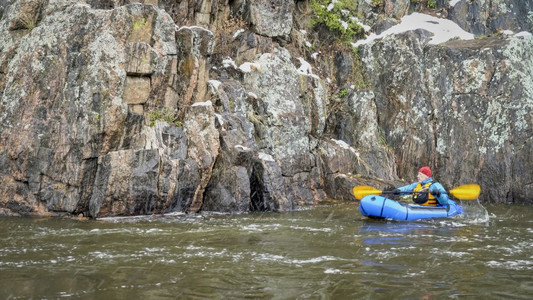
(474, 213)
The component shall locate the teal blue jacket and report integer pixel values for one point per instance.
(442, 199)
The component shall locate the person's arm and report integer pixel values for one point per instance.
(407, 188)
(438, 191)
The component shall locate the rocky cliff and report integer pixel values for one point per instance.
(116, 108)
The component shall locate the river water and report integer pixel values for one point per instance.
(326, 252)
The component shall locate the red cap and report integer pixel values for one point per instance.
(425, 170)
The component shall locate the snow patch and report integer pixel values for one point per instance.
(453, 2)
(228, 62)
(206, 103)
(331, 5)
(214, 84)
(242, 148)
(523, 34)
(305, 68)
(442, 29)
(344, 24)
(236, 34)
(220, 121)
(265, 157)
(366, 28)
(194, 27)
(248, 67)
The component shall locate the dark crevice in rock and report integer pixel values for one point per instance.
(257, 199)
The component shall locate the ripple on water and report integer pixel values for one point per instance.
(511, 264)
(270, 256)
(336, 271)
(312, 229)
(267, 257)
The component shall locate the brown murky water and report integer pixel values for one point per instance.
(327, 252)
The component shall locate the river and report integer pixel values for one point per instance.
(326, 252)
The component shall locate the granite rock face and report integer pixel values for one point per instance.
(464, 107)
(122, 108)
(91, 99)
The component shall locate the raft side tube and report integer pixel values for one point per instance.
(381, 207)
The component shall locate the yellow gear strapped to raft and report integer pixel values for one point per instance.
(424, 198)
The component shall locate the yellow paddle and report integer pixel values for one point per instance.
(466, 192)
(359, 191)
(463, 192)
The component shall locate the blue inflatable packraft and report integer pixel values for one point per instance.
(381, 207)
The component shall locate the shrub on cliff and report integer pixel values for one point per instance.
(337, 17)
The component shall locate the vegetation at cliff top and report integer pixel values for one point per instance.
(429, 3)
(337, 17)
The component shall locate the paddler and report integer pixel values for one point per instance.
(426, 190)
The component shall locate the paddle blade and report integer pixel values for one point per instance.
(466, 192)
(360, 191)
